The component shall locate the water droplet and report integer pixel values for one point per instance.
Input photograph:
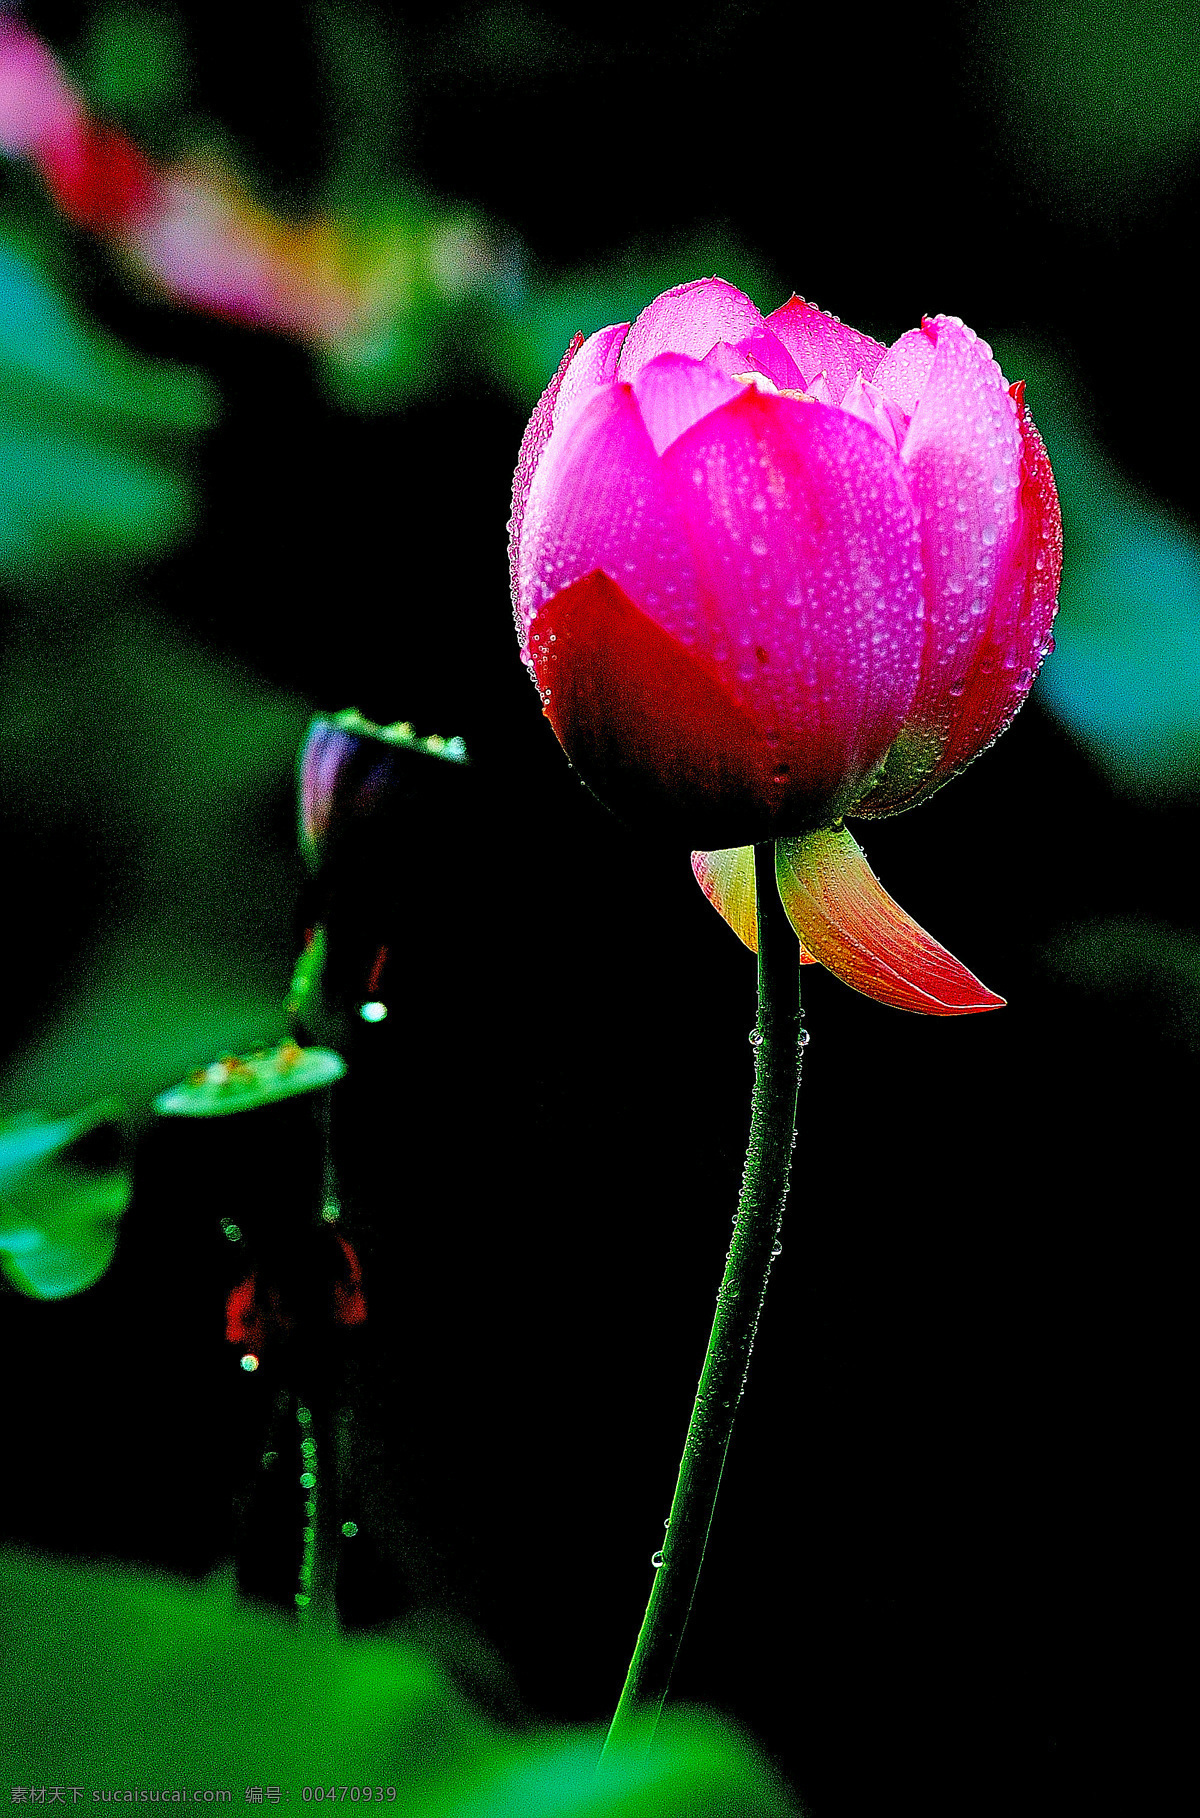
(656, 1560)
(776, 1249)
(957, 686)
(754, 1038)
(802, 1040)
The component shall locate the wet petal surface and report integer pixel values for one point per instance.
(819, 343)
(691, 320)
(848, 921)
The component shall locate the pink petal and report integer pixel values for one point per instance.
(599, 501)
(963, 458)
(1026, 599)
(820, 343)
(674, 391)
(727, 880)
(862, 399)
(764, 352)
(533, 442)
(808, 568)
(904, 370)
(39, 110)
(689, 320)
(846, 918)
(651, 728)
(594, 365)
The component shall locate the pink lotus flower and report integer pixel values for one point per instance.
(767, 573)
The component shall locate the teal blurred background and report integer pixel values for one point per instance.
(953, 1473)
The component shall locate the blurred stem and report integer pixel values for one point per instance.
(739, 1303)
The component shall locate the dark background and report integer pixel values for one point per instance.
(944, 1567)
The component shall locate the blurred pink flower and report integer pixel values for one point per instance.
(767, 572)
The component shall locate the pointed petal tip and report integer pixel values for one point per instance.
(727, 880)
(846, 918)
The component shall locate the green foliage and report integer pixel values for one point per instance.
(1102, 99)
(530, 330)
(121, 1680)
(168, 757)
(92, 437)
(58, 1212)
(1149, 970)
(134, 67)
(1124, 677)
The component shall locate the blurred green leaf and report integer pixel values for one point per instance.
(364, 94)
(1149, 969)
(1101, 97)
(134, 65)
(1124, 677)
(533, 326)
(58, 1209)
(169, 757)
(93, 438)
(124, 1680)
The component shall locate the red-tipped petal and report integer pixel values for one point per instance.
(594, 365)
(599, 500)
(645, 722)
(727, 880)
(820, 343)
(846, 918)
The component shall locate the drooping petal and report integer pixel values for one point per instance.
(599, 501)
(820, 343)
(962, 454)
(690, 319)
(808, 568)
(674, 391)
(846, 918)
(533, 442)
(727, 880)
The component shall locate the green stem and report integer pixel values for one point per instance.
(739, 1303)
